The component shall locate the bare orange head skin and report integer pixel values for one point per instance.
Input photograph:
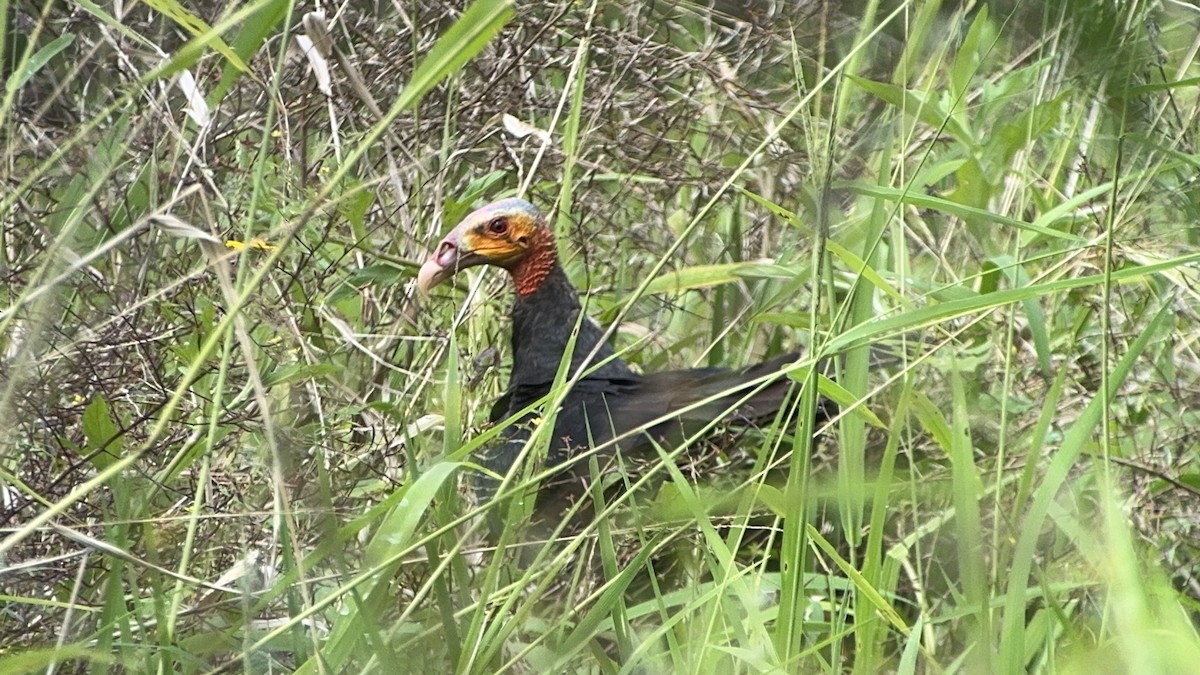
(509, 233)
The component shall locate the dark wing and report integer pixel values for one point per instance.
(694, 398)
(571, 428)
(664, 407)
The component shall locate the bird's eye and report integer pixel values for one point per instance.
(498, 226)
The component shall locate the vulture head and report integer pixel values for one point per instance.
(509, 233)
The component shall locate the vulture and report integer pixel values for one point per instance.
(610, 407)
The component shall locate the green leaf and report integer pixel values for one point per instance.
(39, 59)
(1063, 212)
(768, 204)
(1014, 133)
(477, 26)
(602, 608)
(354, 206)
(114, 24)
(1191, 480)
(919, 105)
(300, 371)
(927, 316)
(706, 276)
(198, 28)
(1078, 438)
(847, 401)
(395, 534)
(1033, 309)
(256, 28)
(39, 660)
(103, 436)
(859, 266)
(973, 190)
(452, 402)
(384, 274)
(967, 61)
(930, 416)
(924, 201)
(773, 499)
(456, 209)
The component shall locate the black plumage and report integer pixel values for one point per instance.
(610, 401)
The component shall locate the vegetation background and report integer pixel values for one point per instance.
(233, 439)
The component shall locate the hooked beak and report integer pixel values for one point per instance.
(451, 256)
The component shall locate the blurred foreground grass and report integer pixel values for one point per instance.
(233, 439)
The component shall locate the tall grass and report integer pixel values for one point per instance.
(234, 439)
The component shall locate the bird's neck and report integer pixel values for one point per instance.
(537, 264)
(544, 321)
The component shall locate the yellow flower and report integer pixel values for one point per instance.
(255, 243)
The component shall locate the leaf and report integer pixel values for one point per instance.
(477, 26)
(18, 662)
(255, 30)
(602, 607)
(972, 190)
(927, 316)
(317, 63)
(384, 274)
(768, 205)
(1191, 480)
(300, 371)
(1014, 133)
(395, 533)
(917, 104)
(968, 59)
(847, 401)
(353, 206)
(197, 108)
(38, 61)
(705, 276)
(198, 28)
(112, 23)
(953, 208)
(1033, 309)
(455, 209)
(1062, 462)
(1063, 212)
(860, 267)
(773, 499)
(103, 437)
